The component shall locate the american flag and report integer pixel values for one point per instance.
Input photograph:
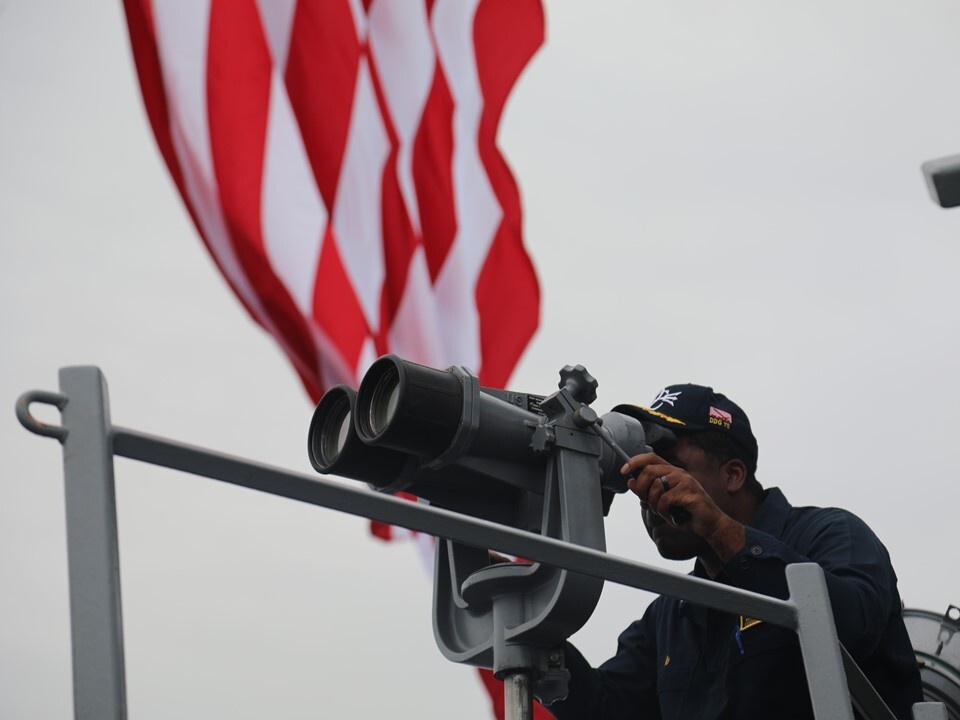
(339, 160)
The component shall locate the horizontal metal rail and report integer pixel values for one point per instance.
(446, 524)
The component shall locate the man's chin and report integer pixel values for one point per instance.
(673, 551)
(674, 544)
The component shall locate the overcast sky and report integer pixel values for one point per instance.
(723, 193)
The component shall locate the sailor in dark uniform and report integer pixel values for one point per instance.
(684, 661)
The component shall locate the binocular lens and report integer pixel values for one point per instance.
(333, 447)
(384, 401)
(335, 431)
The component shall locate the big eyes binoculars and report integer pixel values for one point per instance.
(545, 464)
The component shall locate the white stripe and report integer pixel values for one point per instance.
(403, 53)
(478, 212)
(426, 545)
(413, 334)
(398, 533)
(357, 215)
(294, 216)
(368, 353)
(277, 19)
(359, 19)
(333, 368)
(182, 29)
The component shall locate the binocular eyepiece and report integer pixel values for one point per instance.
(335, 447)
(408, 407)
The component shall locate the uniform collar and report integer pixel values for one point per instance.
(771, 515)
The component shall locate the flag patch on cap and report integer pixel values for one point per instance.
(720, 417)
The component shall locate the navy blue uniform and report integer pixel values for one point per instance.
(686, 661)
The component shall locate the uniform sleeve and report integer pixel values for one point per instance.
(859, 576)
(625, 686)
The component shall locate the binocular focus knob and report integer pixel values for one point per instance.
(581, 384)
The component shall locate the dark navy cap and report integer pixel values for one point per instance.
(695, 407)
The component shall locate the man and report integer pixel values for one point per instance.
(685, 661)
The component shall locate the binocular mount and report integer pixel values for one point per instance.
(548, 465)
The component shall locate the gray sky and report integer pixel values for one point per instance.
(723, 193)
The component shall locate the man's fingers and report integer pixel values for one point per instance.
(675, 497)
(642, 481)
(638, 462)
(669, 488)
(649, 485)
(660, 484)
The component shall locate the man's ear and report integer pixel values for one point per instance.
(734, 475)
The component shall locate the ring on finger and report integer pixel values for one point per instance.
(665, 482)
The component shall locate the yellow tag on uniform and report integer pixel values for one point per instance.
(748, 622)
(666, 661)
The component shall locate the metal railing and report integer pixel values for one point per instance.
(90, 442)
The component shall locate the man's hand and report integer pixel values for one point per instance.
(661, 485)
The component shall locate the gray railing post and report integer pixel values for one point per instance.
(929, 711)
(92, 549)
(818, 643)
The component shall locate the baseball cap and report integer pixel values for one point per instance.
(695, 407)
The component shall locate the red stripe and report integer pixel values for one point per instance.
(508, 298)
(494, 688)
(321, 76)
(381, 530)
(433, 173)
(144, 46)
(146, 56)
(336, 308)
(506, 34)
(239, 71)
(399, 242)
(399, 238)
